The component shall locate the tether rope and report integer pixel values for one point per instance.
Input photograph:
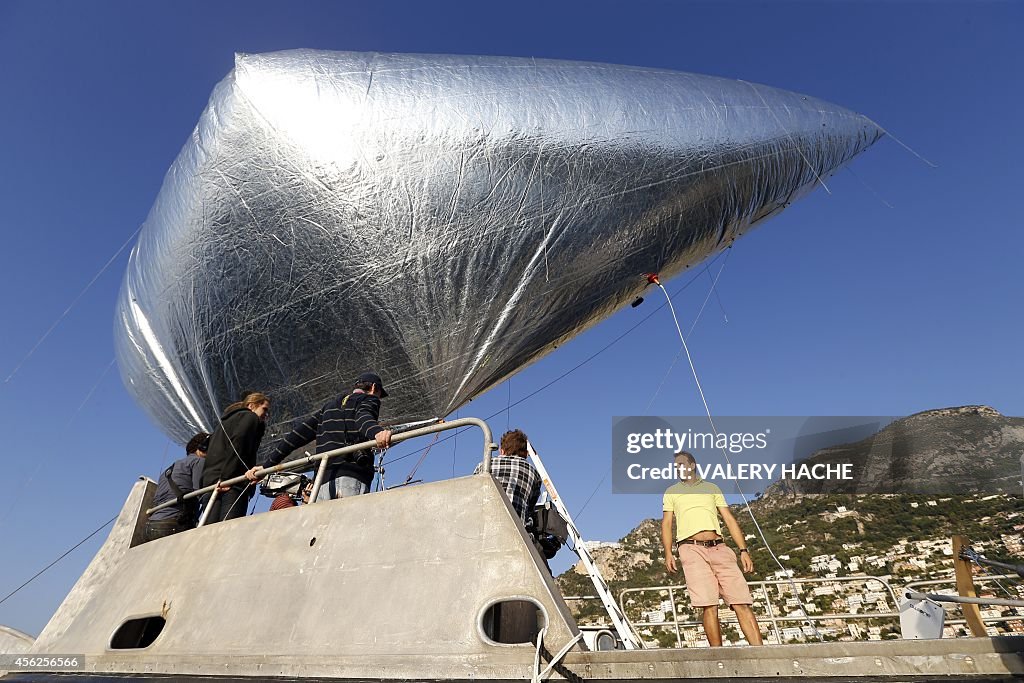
(66, 553)
(725, 453)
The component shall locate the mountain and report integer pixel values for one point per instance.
(950, 450)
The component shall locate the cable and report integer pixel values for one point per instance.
(870, 189)
(412, 472)
(91, 392)
(607, 472)
(714, 284)
(985, 565)
(47, 462)
(66, 553)
(163, 458)
(455, 446)
(235, 502)
(71, 306)
(454, 450)
(904, 146)
(725, 453)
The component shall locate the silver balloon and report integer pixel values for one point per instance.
(442, 220)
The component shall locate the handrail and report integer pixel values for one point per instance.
(775, 620)
(323, 458)
(963, 600)
(949, 581)
(770, 616)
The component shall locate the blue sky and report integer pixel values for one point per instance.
(840, 306)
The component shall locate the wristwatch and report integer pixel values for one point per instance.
(744, 550)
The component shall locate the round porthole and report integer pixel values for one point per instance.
(513, 621)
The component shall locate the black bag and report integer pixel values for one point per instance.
(549, 529)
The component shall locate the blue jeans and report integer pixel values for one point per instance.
(341, 487)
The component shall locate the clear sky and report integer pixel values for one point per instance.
(899, 292)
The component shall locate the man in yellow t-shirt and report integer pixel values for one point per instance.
(709, 565)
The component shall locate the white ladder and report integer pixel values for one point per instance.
(622, 627)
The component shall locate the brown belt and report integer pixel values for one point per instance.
(707, 544)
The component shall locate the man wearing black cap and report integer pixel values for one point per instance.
(183, 476)
(343, 421)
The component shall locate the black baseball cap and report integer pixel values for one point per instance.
(373, 378)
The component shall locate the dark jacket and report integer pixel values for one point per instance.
(187, 474)
(343, 421)
(233, 446)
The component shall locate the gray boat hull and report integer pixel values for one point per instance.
(397, 586)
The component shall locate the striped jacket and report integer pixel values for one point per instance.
(343, 421)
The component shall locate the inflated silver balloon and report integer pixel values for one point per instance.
(442, 220)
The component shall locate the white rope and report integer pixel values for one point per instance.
(725, 453)
(536, 657)
(539, 675)
(714, 284)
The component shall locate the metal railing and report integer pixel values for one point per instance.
(913, 587)
(775, 620)
(321, 460)
(770, 615)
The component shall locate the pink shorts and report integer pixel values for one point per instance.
(711, 572)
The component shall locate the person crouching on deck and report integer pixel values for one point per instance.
(709, 565)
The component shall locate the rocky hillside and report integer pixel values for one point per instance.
(951, 450)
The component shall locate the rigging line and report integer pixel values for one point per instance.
(45, 462)
(721, 306)
(508, 408)
(587, 501)
(870, 189)
(91, 392)
(990, 574)
(679, 353)
(163, 458)
(71, 305)
(455, 445)
(668, 372)
(25, 487)
(412, 472)
(66, 553)
(233, 504)
(713, 290)
(379, 469)
(905, 146)
(999, 583)
(575, 367)
(725, 453)
(453, 450)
